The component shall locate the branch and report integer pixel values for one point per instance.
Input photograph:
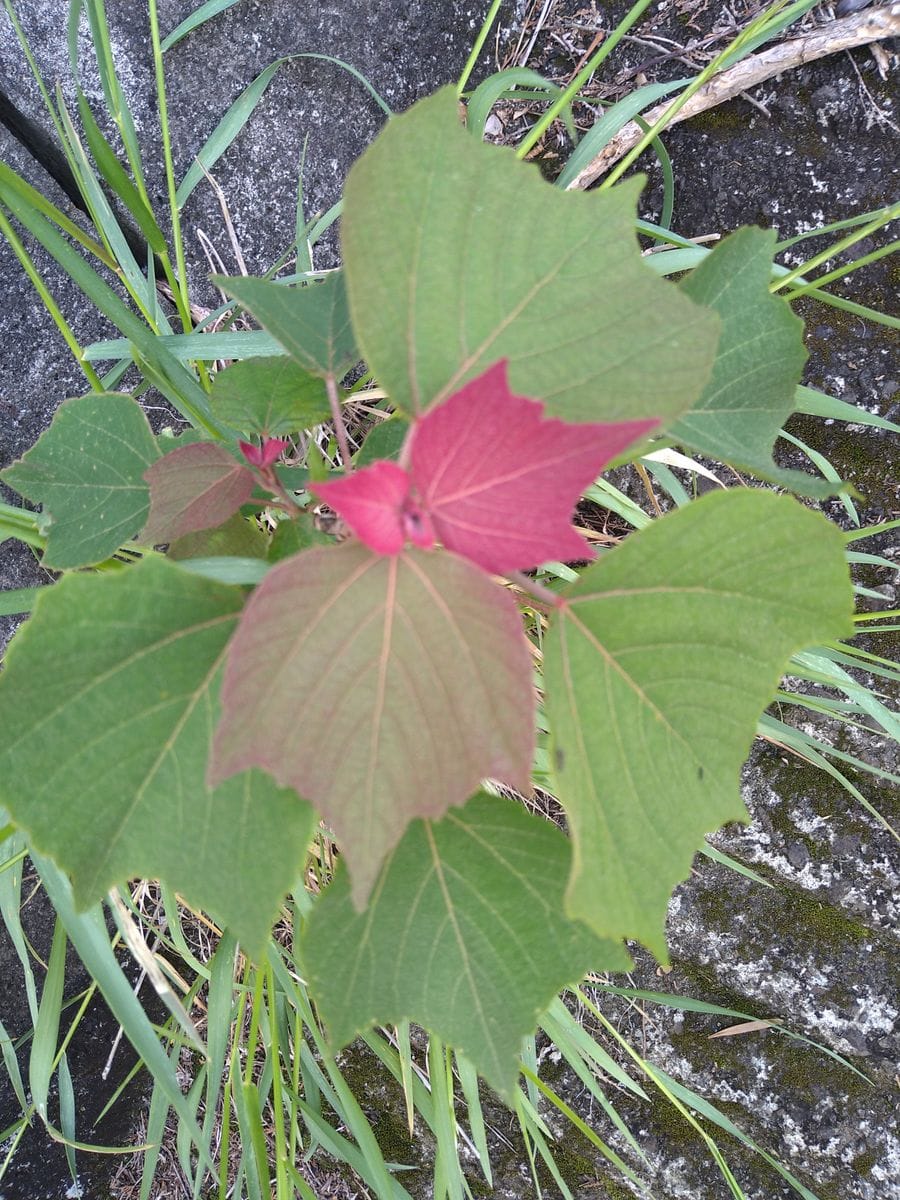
(858, 30)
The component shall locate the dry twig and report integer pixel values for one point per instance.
(858, 30)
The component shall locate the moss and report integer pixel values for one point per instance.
(863, 1163)
(574, 1166)
(800, 1071)
(723, 119)
(613, 1191)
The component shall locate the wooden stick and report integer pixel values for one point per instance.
(859, 30)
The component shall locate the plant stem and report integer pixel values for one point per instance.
(536, 589)
(340, 429)
(182, 299)
(478, 46)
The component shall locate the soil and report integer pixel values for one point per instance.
(817, 949)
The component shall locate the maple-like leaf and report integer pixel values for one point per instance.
(379, 688)
(465, 934)
(89, 511)
(657, 666)
(489, 476)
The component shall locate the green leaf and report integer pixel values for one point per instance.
(238, 537)
(380, 688)
(107, 703)
(385, 440)
(87, 470)
(457, 255)
(192, 488)
(758, 364)
(269, 396)
(464, 934)
(299, 533)
(311, 322)
(657, 667)
(17, 600)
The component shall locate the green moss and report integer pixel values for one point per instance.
(723, 119)
(613, 1191)
(574, 1166)
(799, 1070)
(863, 1163)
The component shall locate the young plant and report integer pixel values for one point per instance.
(162, 722)
(212, 675)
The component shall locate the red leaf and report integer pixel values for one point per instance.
(192, 488)
(490, 477)
(377, 505)
(266, 453)
(500, 481)
(379, 688)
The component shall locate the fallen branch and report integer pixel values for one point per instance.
(857, 30)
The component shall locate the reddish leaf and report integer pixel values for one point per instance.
(378, 506)
(192, 488)
(490, 477)
(379, 688)
(500, 480)
(267, 452)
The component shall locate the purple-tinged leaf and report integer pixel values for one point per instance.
(379, 688)
(377, 504)
(266, 453)
(192, 488)
(490, 476)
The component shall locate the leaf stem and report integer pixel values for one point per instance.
(536, 589)
(340, 429)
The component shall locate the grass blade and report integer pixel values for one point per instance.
(46, 1030)
(17, 600)
(198, 17)
(241, 110)
(447, 1174)
(226, 131)
(117, 178)
(177, 384)
(468, 1078)
(502, 83)
(611, 122)
(817, 404)
(87, 932)
(67, 1113)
